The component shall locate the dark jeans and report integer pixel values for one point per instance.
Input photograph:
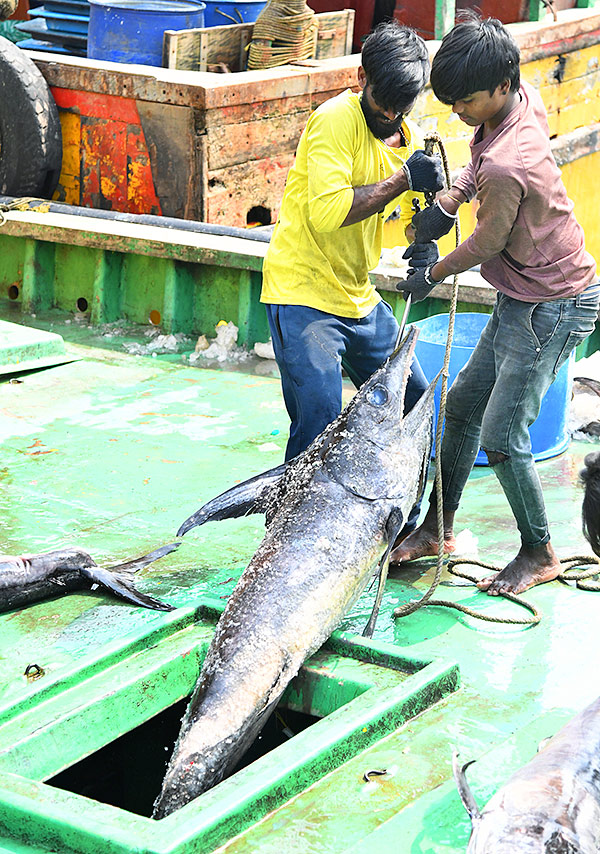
(311, 347)
(497, 396)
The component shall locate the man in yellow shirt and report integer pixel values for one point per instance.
(357, 159)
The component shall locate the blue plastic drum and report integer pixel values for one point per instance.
(133, 30)
(219, 14)
(549, 433)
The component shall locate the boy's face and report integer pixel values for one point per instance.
(480, 107)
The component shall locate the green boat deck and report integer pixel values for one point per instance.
(111, 452)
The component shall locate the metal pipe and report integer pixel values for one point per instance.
(260, 233)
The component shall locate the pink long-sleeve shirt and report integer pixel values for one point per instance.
(527, 240)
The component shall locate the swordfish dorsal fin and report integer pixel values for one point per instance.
(243, 499)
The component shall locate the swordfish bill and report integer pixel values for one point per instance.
(331, 513)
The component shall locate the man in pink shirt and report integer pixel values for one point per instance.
(531, 249)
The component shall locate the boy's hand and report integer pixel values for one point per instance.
(424, 172)
(432, 223)
(421, 255)
(418, 284)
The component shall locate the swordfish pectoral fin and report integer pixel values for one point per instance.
(393, 527)
(243, 499)
(122, 587)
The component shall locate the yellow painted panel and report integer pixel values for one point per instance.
(580, 179)
(69, 185)
(578, 63)
(577, 116)
(580, 90)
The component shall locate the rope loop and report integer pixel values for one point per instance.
(24, 203)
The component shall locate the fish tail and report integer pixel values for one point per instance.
(123, 588)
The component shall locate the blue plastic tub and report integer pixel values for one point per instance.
(549, 434)
(133, 30)
(220, 14)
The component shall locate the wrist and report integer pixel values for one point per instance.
(448, 205)
(401, 180)
(434, 274)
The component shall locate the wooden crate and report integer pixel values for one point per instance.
(335, 33)
(223, 49)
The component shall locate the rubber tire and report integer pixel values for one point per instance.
(30, 134)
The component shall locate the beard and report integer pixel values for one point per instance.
(382, 130)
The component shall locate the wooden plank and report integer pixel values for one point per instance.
(234, 191)
(171, 145)
(208, 48)
(580, 143)
(571, 23)
(334, 37)
(239, 143)
(260, 110)
(222, 49)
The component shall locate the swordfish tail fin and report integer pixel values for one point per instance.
(243, 499)
(123, 588)
(118, 579)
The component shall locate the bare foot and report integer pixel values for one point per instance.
(533, 565)
(422, 542)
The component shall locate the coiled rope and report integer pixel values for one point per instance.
(568, 574)
(285, 31)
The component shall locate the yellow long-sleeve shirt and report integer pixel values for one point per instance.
(311, 260)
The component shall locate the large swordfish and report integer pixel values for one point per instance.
(549, 806)
(331, 514)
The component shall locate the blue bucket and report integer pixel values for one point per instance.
(549, 434)
(133, 30)
(220, 14)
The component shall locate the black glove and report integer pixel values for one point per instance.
(418, 284)
(424, 172)
(432, 223)
(421, 255)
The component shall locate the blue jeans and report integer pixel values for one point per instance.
(498, 394)
(311, 347)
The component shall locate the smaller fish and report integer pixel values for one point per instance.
(551, 805)
(590, 508)
(29, 578)
(585, 406)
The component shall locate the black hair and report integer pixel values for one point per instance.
(396, 64)
(476, 54)
(590, 509)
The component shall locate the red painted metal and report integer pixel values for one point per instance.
(116, 172)
(420, 14)
(98, 106)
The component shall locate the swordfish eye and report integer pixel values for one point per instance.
(378, 395)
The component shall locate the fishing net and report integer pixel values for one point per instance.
(285, 31)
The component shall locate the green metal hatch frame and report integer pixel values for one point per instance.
(361, 689)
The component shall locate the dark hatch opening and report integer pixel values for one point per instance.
(128, 772)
